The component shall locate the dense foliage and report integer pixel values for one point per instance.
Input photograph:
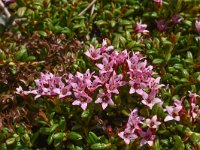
(137, 90)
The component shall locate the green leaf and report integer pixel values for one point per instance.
(3, 146)
(122, 40)
(171, 69)
(125, 22)
(98, 146)
(21, 11)
(45, 130)
(10, 141)
(62, 124)
(76, 148)
(185, 73)
(178, 142)
(20, 2)
(74, 136)
(189, 55)
(34, 137)
(195, 138)
(129, 12)
(42, 33)
(164, 142)
(158, 61)
(53, 127)
(112, 23)
(58, 136)
(31, 58)
(157, 145)
(2, 55)
(21, 54)
(50, 139)
(178, 66)
(92, 138)
(101, 22)
(187, 22)
(85, 113)
(115, 42)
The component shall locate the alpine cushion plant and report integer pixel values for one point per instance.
(115, 73)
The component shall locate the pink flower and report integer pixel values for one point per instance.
(154, 83)
(161, 25)
(78, 82)
(174, 111)
(134, 120)
(134, 59)
(197, 25)
(193, 97)
(107, 65)
(141, 28)
(93, 86)
(63, 92)
(137, 86)
(147, 137)
(176, 19)
(150, 99)
(102, 78)
(47, 85)
(194, 111)
(122, 57)
(104, 47)
(114, 82)
(105, 99)
(21, 92)
(87, 76)
(127, 135)
(82, 99)
(93, 53)
(153, 123)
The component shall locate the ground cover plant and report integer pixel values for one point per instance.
(118, 74)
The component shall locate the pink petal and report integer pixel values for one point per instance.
(132, 90)
(84, 106)
(127, 141)
(104, 105)
(140, 91)
(177, 118)
(168, 118)
(100, 66)
(121, 135)
(150, 143)
(99, 100)
(87, 53)
(76, 102)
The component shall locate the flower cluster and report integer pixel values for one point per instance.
(178, 110)
(48, 85)
(133, 129)
(81, 87)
